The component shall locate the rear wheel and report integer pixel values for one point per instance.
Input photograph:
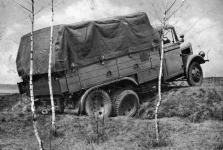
(195, 74)
(126, 103)
(98, 103)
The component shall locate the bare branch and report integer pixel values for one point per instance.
(168, 9)
(23, 6)
(174, 12)
(28, 2)
(38, 11)
(47, 6)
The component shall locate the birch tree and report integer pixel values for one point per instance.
(34, 116)
(166, 16)
(53, 127)
(31, 80)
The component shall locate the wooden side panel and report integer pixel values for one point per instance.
(98, 73)
(128, 65)
(63, 85)
(144, 64)
(70, 83)
(41, 87)
(147, 75)
(155, 59)
(73, 82)
(149, 68)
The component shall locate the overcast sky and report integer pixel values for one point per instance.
(200, 20)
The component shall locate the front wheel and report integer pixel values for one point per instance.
(195, 74)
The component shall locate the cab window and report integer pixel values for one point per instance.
(168, 37)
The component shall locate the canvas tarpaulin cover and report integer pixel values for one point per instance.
(85, 43)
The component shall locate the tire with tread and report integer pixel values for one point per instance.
(195, 74)
(114, 96)
(126, 103)
(99, 102)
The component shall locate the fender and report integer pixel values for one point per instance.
(186, 46)
(83, 97)
(192, 58)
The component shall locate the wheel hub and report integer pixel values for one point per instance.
(98, 105)
(127, 106)
(196, 74)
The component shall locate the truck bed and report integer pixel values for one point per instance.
(143, 64)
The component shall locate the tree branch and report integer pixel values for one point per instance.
(168, 9)
(174, 12)
(23, 6)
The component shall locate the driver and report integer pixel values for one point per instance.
(166, 40)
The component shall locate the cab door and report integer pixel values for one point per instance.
(173, 64)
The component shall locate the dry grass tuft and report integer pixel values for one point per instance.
(147, 138)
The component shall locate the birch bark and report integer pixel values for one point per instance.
(165, 18)
(159, 90)
(31, 82)
(49, 70)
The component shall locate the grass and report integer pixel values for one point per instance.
(147, 138)
(194, 103)
(190, 118)
(197, 105)
(94, 132)
(123, 133)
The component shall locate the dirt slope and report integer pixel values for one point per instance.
(190, 118)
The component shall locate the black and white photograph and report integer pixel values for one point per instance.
(111, 74)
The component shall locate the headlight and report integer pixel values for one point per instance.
(202, 54)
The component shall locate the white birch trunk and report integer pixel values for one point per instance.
(31, 82)
(165, 18)
(49, 71)
(159, 80)
(159, 92)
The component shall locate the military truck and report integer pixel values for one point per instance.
(102, 66)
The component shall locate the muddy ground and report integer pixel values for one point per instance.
(189, 118)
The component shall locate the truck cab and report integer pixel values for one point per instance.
(179, 60)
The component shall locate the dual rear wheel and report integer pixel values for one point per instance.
(124, 102)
